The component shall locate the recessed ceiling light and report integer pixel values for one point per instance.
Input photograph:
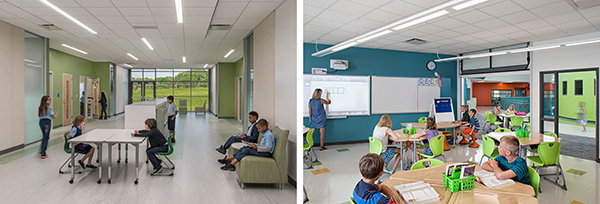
(128, 65)
(78, 50)
(206, 65)
(179, 9)
(67, 15)
(421, 20)
(227, 55)
(147, 43)
(183, 58)
(28, 60)
(132, 56)
(467, 4)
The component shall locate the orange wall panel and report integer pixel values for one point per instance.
(483, 90)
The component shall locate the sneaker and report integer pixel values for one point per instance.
(386, 170)
(221, 150)
(228, 167)
(173, 140)
(82, 164)
(224, 160)
(157, 171)
(91, 166)
(43, 155)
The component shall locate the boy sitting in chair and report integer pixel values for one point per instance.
(265, 149)
(508, 165)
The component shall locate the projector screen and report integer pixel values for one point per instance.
(350, 95)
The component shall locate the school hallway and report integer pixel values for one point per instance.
(25, 178)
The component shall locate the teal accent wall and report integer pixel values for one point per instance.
(377, 62)
(568, 105)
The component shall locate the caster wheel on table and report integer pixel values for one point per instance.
(125, 160)
(135, 182)
(99, 181)
(97, 161)
(173, 168)
(71, 181)
(171, 174)
(146, 161)
(119, 161)
(108, 181)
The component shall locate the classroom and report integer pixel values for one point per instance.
(500, 93)
(125, 101)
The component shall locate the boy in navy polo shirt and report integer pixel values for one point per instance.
(508, 164)
(366, 191)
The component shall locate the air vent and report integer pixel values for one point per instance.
(50, 27)
(219, 27)
(145, 27)
(416, 41)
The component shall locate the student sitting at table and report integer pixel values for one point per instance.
(497, 111)
(430, 132)
(508, 164)
(366, 191)
(265, 149)
(158, 143)
(472, 130)
(510, 110)
(464, 121)
(251, 136)
(383, 132)
(82, 148)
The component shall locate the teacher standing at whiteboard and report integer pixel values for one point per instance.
(317, 116)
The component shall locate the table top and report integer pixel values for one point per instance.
(96, 135)
(440, 189)
(403, 138)
(534, 138)
(124, 136)
(440, 125)
(433, 175)
(305, 130)
(486, 197)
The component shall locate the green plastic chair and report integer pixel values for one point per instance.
(502, 130)
(489, 149)
(535, 149)
(493, 119)
(420, 165)
(308, 151)
(437, 147)
(165, 154)
(516, 121)
(67, 149)
(422, 119)
(488, 115)
(352, 200)
(376, 146)
(549, 154)
(534, 179)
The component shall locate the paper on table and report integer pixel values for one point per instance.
(418, 192)
(489, 179)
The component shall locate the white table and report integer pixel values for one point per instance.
(124, 136)
(97, 136)
(505, 117)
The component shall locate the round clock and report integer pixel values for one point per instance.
(431, 65)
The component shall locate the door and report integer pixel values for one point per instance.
(67, 99)
(548, 109)
(96, 96)
(149, 93)
(237, 98)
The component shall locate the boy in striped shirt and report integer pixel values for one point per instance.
(508, 165)
(472, 130)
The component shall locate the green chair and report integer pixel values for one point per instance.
(534, 149)
(308, 151)
(352, 200)
(422, 119)
(437, 147)
(67, 149)
(534, 179)
(165, 154)
(488, 115)
(549, 154)
(489, 149)
(502, 130)
(516, 121)
(420, 164)
(376, 146)
(493, 119)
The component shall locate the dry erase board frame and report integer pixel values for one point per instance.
(401, 95)
(307, 93)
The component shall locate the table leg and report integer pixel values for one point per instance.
(402, 156)
(414, 153)
(126, 151)
(99, 145)
(137, 163)
(72, 163)
(454, 138)
(109, 161)
(119, 147)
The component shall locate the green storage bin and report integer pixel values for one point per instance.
(455, 185)
(522, 133)
(412, 131)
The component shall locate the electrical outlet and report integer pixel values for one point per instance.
(319, 70)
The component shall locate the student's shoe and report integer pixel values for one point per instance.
(43, 155)
(105, 118)
(82, 164)
(156, 171)
(173, 140)
(90, 166)
(224, 160)
(386, 170)
(228, 167)
(221, 149)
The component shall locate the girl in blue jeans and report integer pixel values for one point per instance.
(430, 132)
(158, 143)
(46, 115)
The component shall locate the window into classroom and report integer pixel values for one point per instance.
(564, 89)
(548, 93)
(578, 87)
(500, 93)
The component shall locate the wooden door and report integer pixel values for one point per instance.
(67, 99)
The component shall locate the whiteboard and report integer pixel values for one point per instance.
(401, 95)
(349, 94)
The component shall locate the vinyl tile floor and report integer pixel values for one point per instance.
(25, 178)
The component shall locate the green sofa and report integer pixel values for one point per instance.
(253, 169)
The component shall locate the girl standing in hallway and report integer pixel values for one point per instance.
(582, 116)
(317, 116)
(46, 115)
(104, 105)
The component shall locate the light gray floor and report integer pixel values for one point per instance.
(197, 179)
(337, 185)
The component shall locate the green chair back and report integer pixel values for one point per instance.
(352, 200)
(66, 146)
(168, 144)
(502, 130)
(488, 146)
(534, 179)
(488, 117)
(549, 153)
(437, 145)
(375, 145)
(516, 121)
(420, 165)
(309, 139)
(551, 134)
(423, 120)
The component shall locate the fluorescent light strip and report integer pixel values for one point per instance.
(67, 15)
(179, 9)
(423, 19)
(583, 43)
(78, 50)
(344, 46)
(227, 55)
(128, 65)
(147, 43)
(33, 65)
(183, 58)
(468, 4)
(28, 60)
(132, 56)
(206, 65)
(385, 32)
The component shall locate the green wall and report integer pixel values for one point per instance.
(569, 104)
(62, 63)
(227, 72)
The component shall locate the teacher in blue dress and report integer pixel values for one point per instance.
(317, 116)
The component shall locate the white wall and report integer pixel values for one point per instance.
(264, 69)
(213, 107)
(120, 89)
(12, 86)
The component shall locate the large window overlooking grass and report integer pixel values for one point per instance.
(183, 84)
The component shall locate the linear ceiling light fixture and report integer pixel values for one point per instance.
(28, 60)
(183, 58)
(67, 15)
(423, 16)
(206, 65)
(72, 48)
(467, 4)
(179, 9)
(128, 65)
(135, 58)
(147, 43)
(227, 55)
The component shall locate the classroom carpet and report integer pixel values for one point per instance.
(577, 146)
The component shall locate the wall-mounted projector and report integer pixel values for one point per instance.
(338, 64)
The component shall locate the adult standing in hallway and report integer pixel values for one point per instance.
(82, 104)
(317, 115)
(46, 115)
(104, 104)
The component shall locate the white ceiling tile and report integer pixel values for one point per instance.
(382, 16)
(259, 9)
(111, 20)
(429, 28)
(337, 16)
(582, 30)
(320, 3)
(519, 17)
(111, 11)
(553, 9)
(350, 8)
(573, 25)
(432, 38)
(307, 19)
(353, 29)
(473, 16)
(366, 23)
(590, 12)
(161, 11)
(228, 21)
(413, 33)
(468, 29)
(246, 23)
(325, 23)
(426, 3)
(398, 6)
(449, 23)
(595, 21)
(142, 11)
(202, 3)
(554, 35)
(543, 30)
(38, 11)
(529, 4)
(506, 30)
(229, 9)
(161, 3)
(483, 34)
(491, 24)
(140, 19)
(448, 34)
(130, 3)
(198, 11)
(371, 3)
(502, 8)
(538, 23)
(341, 33)
(564, 18)
(26, 3)
(312, 10)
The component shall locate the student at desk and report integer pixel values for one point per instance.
(508, 164)
(158, 143)
(366, 191)
(430, 132)
(383, 132)
(464, 121)
(82, 148)
(510, 110)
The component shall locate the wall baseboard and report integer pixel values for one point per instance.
(575, 120)
(20, 146)
(226, 117)
(57, 126)
(292, 181)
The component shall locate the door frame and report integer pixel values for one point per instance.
(238, 99)
(67, 116)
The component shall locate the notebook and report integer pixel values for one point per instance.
(489, 179)
(418, 192)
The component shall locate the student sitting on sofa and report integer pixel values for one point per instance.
(265, 149)
(251, 136)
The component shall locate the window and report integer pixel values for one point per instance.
(548, 94)
(496, 94)
(183, 84)
(564, 90)
(578, 87)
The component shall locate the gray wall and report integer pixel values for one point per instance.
(12, 87)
